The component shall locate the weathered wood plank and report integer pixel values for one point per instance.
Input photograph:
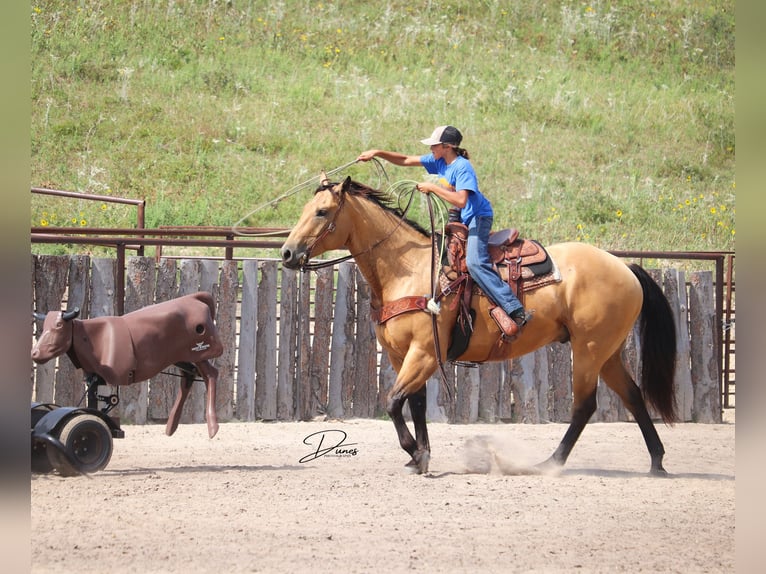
(490, 375)
(505, 398)
(50, 283)
(265, 345)
(188, 283)
(365, 377)
(436, 407)
(209, 276)
(303, 399)
(103, 281)
(705, 370)
(139, 293)
(560, 379)
(342, 345)
(467, 399)
(288, 332)
(320, 346)
(69, 381)
(247, 336)
(674, 286)
(525, 390)
(164, 387)
(226, 325)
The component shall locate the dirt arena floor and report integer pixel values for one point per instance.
(256, 498)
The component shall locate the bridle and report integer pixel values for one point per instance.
(308, 265)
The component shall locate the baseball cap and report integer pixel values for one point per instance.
(444, 134)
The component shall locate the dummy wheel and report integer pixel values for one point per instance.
(88, 441)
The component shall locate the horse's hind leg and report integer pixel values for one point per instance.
(584, 382)
(581, 414)
(617, 378)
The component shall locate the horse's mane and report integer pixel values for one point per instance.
(383, 200)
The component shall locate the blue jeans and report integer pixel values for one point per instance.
(481, 269)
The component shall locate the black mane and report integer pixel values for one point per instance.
(383, 200)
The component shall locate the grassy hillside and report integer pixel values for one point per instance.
(606, 122)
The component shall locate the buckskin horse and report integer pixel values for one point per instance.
(594, 305)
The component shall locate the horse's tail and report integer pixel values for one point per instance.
(658, 347)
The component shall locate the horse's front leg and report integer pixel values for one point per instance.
(422, 454)
(411, 385)
(394, 410)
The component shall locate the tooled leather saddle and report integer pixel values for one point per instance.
(516, 259)
(523, 264)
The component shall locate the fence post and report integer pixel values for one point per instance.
(50, 282)
(139, 292)
(226, 325)
(342, 346)
(320, 346)
(164, 386)
(674, 285)
(69, 380)
(287, 345)
(247, 337)
(303, 398)
(265, 344)
(525, 392)
(705, 366)
(560, 379)
(365, 377)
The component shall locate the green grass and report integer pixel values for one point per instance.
(605, 122)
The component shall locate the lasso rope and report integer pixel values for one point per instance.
(311, 183)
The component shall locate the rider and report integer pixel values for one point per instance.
(459, 186)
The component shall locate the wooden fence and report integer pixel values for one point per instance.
(301, 345)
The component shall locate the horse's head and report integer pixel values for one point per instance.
(321, 226)
(57, 335)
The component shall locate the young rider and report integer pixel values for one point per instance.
(458, 185)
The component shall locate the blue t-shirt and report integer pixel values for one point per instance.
(460, 175)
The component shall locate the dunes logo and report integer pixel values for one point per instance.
(330, 443)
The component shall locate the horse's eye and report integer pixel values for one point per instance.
(321, 213)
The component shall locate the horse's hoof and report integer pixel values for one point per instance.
(424, 459)
(550, 466)
(419, 463)
(412, 467)
(658, 471)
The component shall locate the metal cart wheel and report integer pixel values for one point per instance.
(40, 462)
(88, 441)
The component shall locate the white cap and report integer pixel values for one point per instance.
(444, 134)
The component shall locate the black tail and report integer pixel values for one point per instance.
(658, 347)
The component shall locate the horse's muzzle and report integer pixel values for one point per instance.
(293, 258)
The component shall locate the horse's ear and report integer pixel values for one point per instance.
(346, 184)
(323, 181)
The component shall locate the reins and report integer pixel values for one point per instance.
(309, 266)
(433, 305)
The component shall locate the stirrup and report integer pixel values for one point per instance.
(509, 328)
